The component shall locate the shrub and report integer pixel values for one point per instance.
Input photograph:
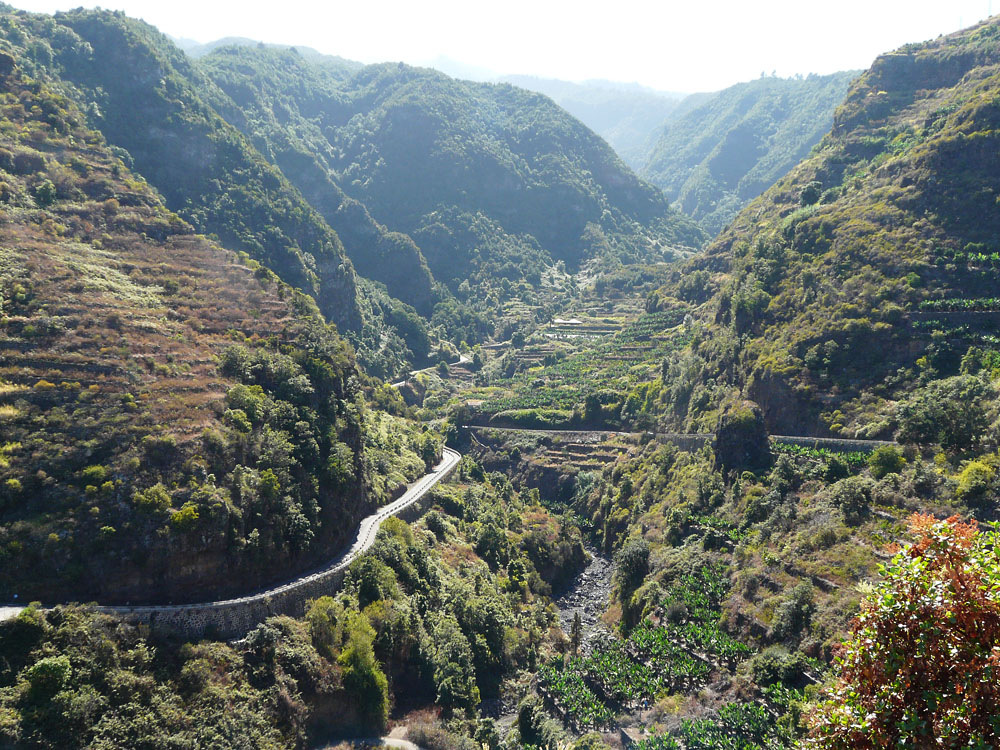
(919, 668)
(633, 564)
(364, 681)
(152, 500)
(884, 460)
(777, 664)
(95, 475)
(186, 518)
(975, 481)
(46, 677)
(793, 614)
(853, 496)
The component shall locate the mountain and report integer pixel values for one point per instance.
(481, 187)
(715, 153)
(844, 298)
(494, 150)
(280, 107)
(264, 148)
(148, 99)
(197, 49)
(176, 419)
(626, 115)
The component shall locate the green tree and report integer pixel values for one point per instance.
(951, 412)
(454, 673)
(364, 680)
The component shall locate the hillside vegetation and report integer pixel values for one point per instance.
(282, 103)
(182, 419)
(501, 153)
(169, 407)
(715, 153)
(442, 612)
(291, 157)
(845, 297)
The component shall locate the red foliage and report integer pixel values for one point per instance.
(922, 666)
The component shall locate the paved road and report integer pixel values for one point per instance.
(367, 530)
(462, 360)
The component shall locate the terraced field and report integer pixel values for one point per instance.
(548, 375)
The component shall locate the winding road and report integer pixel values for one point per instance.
(367, 530)
(462, 360)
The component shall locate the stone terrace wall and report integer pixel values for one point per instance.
(234, 618)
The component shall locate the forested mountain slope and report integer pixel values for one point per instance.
(280, 103)
(712, 158)
(431, 157)
(147, 99)
(424, 177)
(132, 460)
(868, 274)
(177, 421)
(484, 188)
(627, 116)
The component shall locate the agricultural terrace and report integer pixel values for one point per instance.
(549, 380)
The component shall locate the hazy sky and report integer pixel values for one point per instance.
(676, 45)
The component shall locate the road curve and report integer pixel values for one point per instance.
(462, 360)
(367, 530)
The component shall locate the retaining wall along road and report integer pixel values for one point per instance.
(837, 445)
(232, 618)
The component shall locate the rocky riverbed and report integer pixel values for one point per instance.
(587, 594)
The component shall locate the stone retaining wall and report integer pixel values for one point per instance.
(234, 618)
(686, 441)
(837, 445)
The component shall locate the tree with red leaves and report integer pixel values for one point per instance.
(921, 668)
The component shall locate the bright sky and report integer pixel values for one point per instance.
(673, 45)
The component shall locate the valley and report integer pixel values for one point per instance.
(354, 400)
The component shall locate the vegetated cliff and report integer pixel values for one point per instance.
(722, 150)
(177, 421)
(868, 272)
